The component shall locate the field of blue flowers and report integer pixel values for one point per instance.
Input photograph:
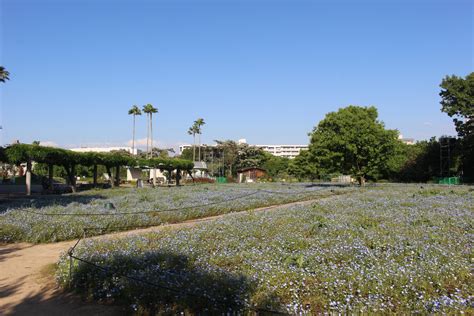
(389, 249)
(57, 218)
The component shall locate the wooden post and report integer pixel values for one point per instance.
(50, 176)
(112, 182)
(178, 176)
(73, 179)
(95, 176)
(28, 177)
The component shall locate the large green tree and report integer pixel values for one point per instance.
(457, 100)
(353, 141)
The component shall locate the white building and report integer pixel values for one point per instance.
(104, 149)
(408, 141)
(286, 151)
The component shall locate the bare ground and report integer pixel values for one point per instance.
(27, 286)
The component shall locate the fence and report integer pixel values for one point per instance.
(73, 257)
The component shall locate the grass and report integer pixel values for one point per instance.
(389, 249)
(57, 218)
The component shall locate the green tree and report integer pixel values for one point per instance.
(149, 110)
(135, 110)
(4, 74)
(276, 167)
(302, 167)
(250, 156)
(352, 141)
(457, 100)
(228, 152)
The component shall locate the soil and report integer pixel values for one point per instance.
(27, 285)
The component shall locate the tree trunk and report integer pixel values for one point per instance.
(112, 182)
(117, 176)
(28, 178)
(50, 176)
(151, 135)
(170, 172)
(178, 176)
(147, 133)
(133, 136)
(194, 147)
(95, 176)
(71, 175)
(199, 137)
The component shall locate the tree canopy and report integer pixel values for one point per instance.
(457, 100)
(352, 141)
(19, 153)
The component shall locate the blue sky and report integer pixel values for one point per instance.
(266, 71)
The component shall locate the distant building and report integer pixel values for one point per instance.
(286, 151)
(250, 174)
(408, 141)
(104, 149)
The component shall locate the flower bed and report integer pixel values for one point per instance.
(50, 219)
(397, 249)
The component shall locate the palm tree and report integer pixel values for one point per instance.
(149, 110)
(198, 123)
(193, 131)
(4, 74)
(135, 110)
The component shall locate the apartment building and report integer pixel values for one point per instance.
(286, 151)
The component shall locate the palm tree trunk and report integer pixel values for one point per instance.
(133, 137)
(147, 132)
(199, 137)
(151, 135)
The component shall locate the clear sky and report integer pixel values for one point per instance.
(266, 71)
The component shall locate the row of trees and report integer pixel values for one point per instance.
(70, 161)
(228, 157)
(149, 110)
(196, 129)
(353, 141)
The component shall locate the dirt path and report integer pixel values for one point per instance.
(26, 286)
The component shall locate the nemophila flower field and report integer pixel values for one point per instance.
(51, 219)
(378, 250)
